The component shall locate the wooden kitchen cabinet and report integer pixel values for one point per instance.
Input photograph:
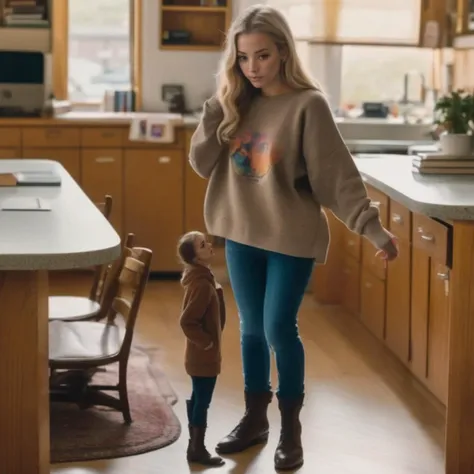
(372, 303)
(350, 285)
(194, 194)
(6, 153)
(101, 174)
(430, 305)
(398, 306)
(397, 321)
(70, 158)
(153, 202)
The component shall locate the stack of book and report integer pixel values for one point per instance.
(25, 13)
(439, 163)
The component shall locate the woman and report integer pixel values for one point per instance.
(273, 154)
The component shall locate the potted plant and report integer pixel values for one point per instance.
(455, 114)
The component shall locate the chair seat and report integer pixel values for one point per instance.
(83, 340)
(70, 308)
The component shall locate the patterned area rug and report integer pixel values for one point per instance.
(100, 433)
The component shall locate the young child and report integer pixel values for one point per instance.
(202, 320)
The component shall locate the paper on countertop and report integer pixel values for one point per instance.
(25, 204)
(156, 128)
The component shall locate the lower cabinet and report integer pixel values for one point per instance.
(101, 174)
(153, 202)
(70, 158)
(405, 305)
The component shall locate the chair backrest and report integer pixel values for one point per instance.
(132, 281)
(110, 277)
(100, 271)
(106, 206)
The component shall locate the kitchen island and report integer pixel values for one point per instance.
(72, 234)
(421, 306)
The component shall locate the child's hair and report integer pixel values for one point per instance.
(186, 250)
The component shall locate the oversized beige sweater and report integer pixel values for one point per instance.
(267, 186)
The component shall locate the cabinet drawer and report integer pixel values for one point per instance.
(101, 137)
(10, 137)
(430, 236)
(372, 303)
(352, 244)
(351, 285)
(400, 221)
(370, 262)
(51, 137)
(380, 200)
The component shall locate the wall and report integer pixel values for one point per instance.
(194, 70)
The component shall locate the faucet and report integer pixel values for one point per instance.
(406, 86)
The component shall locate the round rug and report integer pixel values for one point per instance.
(100, 432)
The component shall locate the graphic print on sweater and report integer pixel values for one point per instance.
(252, 154)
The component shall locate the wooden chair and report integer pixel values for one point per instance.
(88, 345)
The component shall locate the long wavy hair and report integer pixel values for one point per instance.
(234, 90)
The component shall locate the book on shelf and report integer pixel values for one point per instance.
(438, 163)
(26, 13)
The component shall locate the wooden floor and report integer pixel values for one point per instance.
(363, 413)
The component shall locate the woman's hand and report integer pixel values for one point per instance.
(389, 251)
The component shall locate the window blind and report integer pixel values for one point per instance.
(394, 22)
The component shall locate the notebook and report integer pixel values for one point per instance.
(25, 204)
(30, 178)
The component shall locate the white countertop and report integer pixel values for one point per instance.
(443, 197)
(73, 234)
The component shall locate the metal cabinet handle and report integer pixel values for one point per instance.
(105, 159)
(397, 218)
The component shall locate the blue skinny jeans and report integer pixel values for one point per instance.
(268, 288)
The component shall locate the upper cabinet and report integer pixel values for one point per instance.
(194, 25)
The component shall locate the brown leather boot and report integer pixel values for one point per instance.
(289, 452)
(197, 452)
(253, 427)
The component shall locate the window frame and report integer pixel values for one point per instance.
(60, 51)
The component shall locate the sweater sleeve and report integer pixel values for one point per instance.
(196, 301)
(204, 150)
(333, 174)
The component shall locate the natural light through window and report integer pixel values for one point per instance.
(376, 73)
(99, 48)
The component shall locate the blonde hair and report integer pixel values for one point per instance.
(234, 91)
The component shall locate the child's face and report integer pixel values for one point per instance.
(203, 248)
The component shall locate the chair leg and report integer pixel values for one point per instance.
(123, 393)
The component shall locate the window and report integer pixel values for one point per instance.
(394, 22)
(99, 48)
(102, 51)
(376, 73)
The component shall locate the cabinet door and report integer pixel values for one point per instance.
(419, 313)
(397, 325)
(194, 194)
(430, 323)
(438, 330)
(350, 287)
(70, 158)
(101, 172)
(6, 153)
(372, 303)
(153, 202)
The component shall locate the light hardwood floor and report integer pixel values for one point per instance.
(363, 412)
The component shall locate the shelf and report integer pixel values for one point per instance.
(203, 27)
(193, 9)
(25, 39)
(191, 47)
